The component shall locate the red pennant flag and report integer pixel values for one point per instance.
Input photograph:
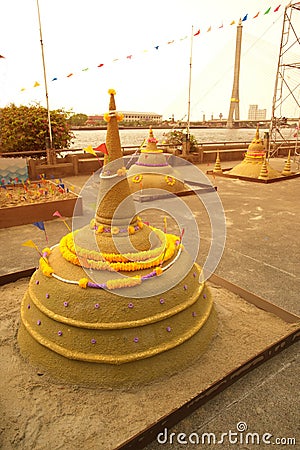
(256, 15)
(100, 65)
(197, 33)
(221, 26)
(129, 56)
(276, 9)
(102, 148)
(70, 74)
(1, 56)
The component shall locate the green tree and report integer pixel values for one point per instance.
(25, 128)
(78, 120)
(177, 138)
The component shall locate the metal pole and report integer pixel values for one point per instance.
(190, 83)
(45, 77)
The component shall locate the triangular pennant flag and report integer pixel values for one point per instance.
(57, 213)
(183, 38)
(36, 84)
(276, 9)
(268, 10)
(171, 42)
(1, 56)
(232, 23)
(90, 150)
(85, 70)
(197, 33)
(102, 148)
(209, 29)
(156, 47)
(54, 79)
(129, 56)
(100, 65)
(23, 89)
(221, 26)
(256, 15)
(29, 243)
(70, 75)
(40, 225)
(245, 18)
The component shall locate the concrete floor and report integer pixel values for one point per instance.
(261, 255)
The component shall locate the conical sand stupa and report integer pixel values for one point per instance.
(114, 303)
(153, 171)
(253, 162)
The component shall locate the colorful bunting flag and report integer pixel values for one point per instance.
(90, 150)
(157, 47)
(2, 57)
(58, 214)
(40, 225)
(102, 148)
(29, 243)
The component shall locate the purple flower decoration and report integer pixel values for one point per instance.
(47, 295)
(130, 305)
(28, 306)
(38, 322)
(194, 314)
(161, 301)
(136, 339)
(168, 329)
(93, 341)
(185, 287)
(37, 282)
(66, 304)
(194, 274)
(97, 305)
(59, 333)
(204, 295)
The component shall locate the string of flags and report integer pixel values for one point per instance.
(130, 56)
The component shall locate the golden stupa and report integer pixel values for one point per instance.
(254, 164)
(116, 302)
(152, 170)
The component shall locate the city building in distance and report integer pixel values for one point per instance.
(256, 114)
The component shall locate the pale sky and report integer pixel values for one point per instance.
(123, 36)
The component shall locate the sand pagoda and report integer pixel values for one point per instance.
(254, 164)
(153, 171)
(113, 304)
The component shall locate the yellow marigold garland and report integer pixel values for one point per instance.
(117, 262)
(45, 267)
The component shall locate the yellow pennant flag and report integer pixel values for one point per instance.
(29, 243)
(36, 84)
(90, 150)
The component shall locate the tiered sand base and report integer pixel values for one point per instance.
(94, 336)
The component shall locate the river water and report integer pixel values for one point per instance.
(83, 138)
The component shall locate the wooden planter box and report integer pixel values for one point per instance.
(35, 212)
